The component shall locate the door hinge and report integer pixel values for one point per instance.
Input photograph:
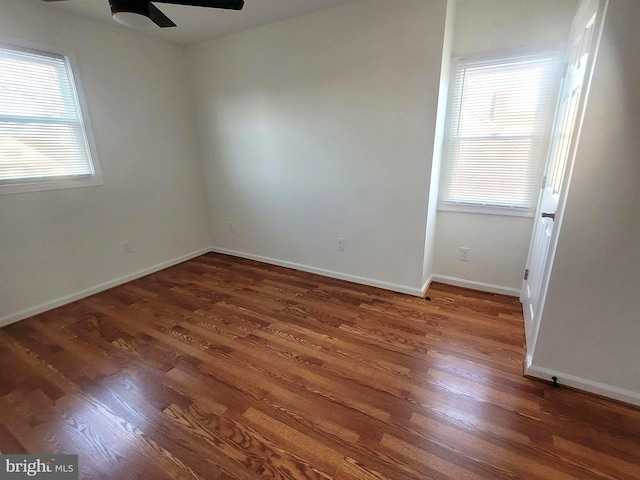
(544, 182)
(526, 274)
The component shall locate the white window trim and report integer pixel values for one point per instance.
(486, 209)
(555, 50)
(96, 179)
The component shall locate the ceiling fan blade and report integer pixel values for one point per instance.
(159, 18)
(228, 4)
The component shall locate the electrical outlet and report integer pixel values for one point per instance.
(126, 247)
(231, 229)
(340, 244)
(463, 254)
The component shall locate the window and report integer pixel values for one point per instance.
(499, 120)
(43, 138)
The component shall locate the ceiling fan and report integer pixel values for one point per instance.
(136, 13)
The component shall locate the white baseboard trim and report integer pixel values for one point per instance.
(43, 307)
(602, 389)
(485, 287)
(426, 285)
(417, 292)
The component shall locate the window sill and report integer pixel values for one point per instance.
(486, 210)
(44, 185)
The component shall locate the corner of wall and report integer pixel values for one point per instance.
(436, 163)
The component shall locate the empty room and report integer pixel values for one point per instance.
(320, 239)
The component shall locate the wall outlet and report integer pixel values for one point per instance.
(231, 229)
(340, 244)
(126, 247)
(463, 254)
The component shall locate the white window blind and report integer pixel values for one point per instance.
(42, 135)
(500, 115)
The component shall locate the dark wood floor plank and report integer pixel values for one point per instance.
(224, 368)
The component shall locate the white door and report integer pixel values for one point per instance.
(583, 44)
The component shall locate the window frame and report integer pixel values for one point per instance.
(51, 183)
(555, 52)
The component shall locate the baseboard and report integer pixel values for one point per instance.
(596, 388)
(484, 287)
(417, 292)
(43, 307)
(426, 285)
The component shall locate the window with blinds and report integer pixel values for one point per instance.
(43, 140)
(500, 116)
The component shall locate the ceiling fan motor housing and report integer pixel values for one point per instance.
(140, 7)
(138, 13)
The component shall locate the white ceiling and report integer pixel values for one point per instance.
(196, 24)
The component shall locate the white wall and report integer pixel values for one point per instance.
(498, 249)
(590, 328)
(321, 127)
(55, 244)
(498, 244)
(494, 25)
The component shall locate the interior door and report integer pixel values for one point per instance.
(583, 44)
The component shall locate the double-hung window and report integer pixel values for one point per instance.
(500, 114)
(44, 140)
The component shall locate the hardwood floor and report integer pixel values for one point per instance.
(222, 368)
